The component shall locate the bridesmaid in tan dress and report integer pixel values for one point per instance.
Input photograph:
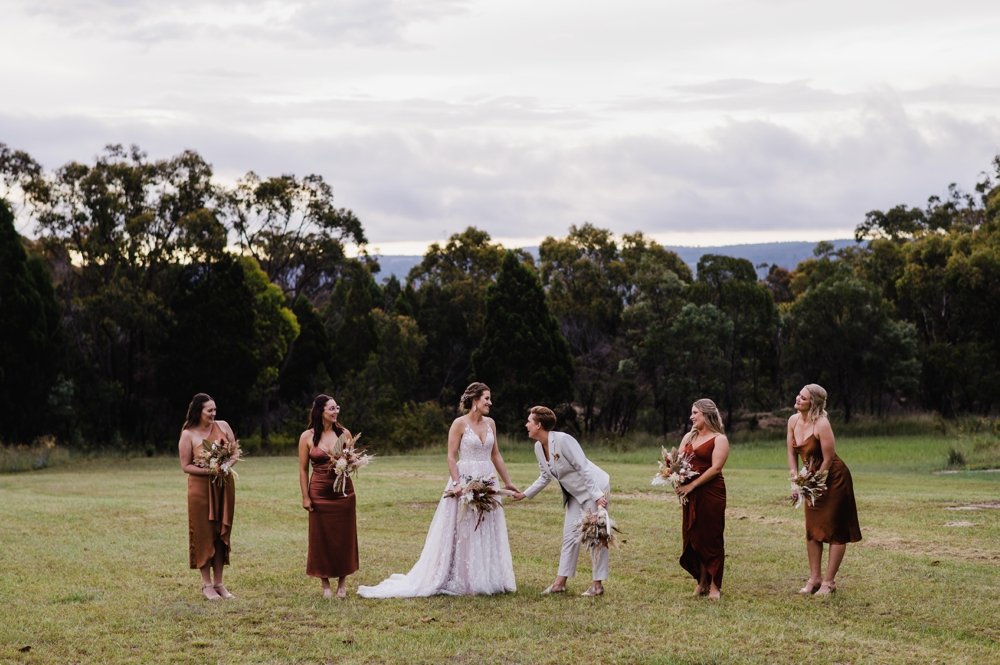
(834, 518)
(210, 505)
(333, 527)
(704, 514)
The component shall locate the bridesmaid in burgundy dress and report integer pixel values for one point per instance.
(333, 525)
(834, 518)
(704, 514)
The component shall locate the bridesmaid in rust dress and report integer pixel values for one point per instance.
(210, 504)
(333, 527)
(704, 514)
(834, 518)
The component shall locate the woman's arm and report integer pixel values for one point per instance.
(793, 461)
(454, 442)
(305, 442)
(544, 477)
(185, 449)
(827, 443)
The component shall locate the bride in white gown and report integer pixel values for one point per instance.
(458, 558)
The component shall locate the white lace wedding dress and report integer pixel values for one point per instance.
(458, 559)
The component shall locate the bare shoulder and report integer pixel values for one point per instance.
(458, 423)
(793, 419)
(490, 423)
(306, 436)
(822, 426)
(721, 440)
(186, 438)
(224, 426)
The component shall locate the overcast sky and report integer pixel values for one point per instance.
(698, 122)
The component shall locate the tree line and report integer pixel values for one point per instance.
(147, 281)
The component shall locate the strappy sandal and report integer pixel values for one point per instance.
(223, 592)
(826, 589)
(208, 590)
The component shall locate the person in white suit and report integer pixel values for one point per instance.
(585, 487)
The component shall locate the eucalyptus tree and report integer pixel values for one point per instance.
(30, 343)
(587, 284)
(112, 231)
(940, 268)
(649, 335)
(522, 355)
(292, 228)
(731, 285)
(448, 300)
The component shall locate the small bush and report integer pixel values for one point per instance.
(956, 460)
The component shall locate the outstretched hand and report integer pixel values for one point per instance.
(517, 496)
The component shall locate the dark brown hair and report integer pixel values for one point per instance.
(194, 410)
(316, 418)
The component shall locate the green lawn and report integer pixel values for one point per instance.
(93, 569)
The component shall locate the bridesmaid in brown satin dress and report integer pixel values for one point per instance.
(210, 505)
(333, 526)
(834, 518)
(704, 514)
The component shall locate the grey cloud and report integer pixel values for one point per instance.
(312, 23)
(425, 185)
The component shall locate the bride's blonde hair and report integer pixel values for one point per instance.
(817, 402)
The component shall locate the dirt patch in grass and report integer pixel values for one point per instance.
(738, 514)
(984, 505)
(931, 550)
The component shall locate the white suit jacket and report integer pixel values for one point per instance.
(579, 476)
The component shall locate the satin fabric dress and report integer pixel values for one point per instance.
(834, 518)
(333, 523)
(459, 558)
(210, 512)
(704, 519)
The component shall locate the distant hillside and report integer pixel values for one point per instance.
(785, 254)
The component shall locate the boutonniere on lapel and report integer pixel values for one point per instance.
(555, 456)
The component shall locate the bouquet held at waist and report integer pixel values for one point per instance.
(481, 494)
(346, 459)
(675, 470)
(807, 486)
(219, 456)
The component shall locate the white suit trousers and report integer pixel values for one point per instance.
(571, 540)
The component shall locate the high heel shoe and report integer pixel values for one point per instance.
(208, 590)
(810, 588)
(223, 592)
(826, 588)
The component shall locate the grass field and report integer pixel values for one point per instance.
(93, 569)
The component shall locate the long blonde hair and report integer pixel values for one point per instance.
(817, 402)
(712, 418)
